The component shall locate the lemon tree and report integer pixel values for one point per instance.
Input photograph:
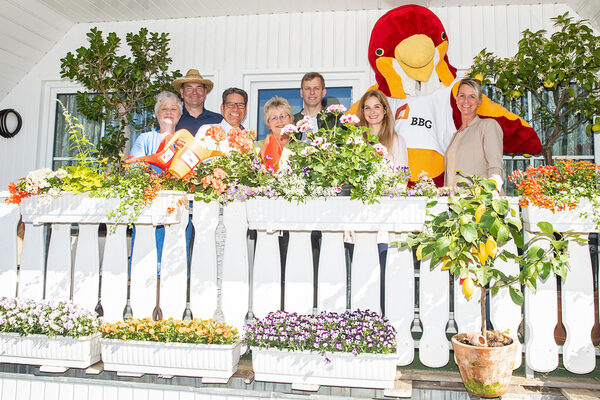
(467, 240)
(560, 71)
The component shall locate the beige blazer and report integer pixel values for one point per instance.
(476, 150)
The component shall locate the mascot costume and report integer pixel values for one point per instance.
(408, 52)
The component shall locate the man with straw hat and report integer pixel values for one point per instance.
(193, 90)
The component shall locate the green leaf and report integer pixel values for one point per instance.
(442, 246)
(503, 235)
(500, 206)
(469, 232)
(546, 227)
(516, 295)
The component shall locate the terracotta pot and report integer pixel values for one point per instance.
(485, 371)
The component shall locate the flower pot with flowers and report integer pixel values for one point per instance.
(356, 349)
(467, 240)
(48, 333)
(567, 194)
(202, 348)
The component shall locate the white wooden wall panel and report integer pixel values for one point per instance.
(9, 218)
(227, 47)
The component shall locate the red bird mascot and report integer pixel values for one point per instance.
(408, 52)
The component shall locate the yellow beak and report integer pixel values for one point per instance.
(415, 56)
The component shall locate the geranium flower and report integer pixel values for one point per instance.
(305, 124)
(217, 133)
(336, 109)
(381, 150)
(289, 128)
(349, 119)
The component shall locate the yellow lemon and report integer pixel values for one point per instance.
(548, 84)
(482, 255)
(420, 252)
(596, 127)
(445, 261)
(479, 212)
(479, 77)
(491, 247)
(468, 287)
(516, 94)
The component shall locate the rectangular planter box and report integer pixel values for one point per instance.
(562, 221)
(56, 351)
(337, 214)
(186, 359)
(304, 367)
(81, 208)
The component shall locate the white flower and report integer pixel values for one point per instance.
(349, 119)
(289, 128)
(305, 124)
(358, 140)
(380, 149)
(349, 141)
(317, 141)
(336, 109)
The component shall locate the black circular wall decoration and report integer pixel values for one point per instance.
(4, 131)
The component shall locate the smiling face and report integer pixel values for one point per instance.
(312, 92)
(193, 94)
(277, 119)
(168, 114)
(374, 111)
(234, 109)
(467, 101)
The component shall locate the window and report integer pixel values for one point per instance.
(335, 95)
(61, 155)
(577, 144)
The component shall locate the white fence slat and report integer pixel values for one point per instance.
(143, 272)
(332, 273)
(203, 274)
(434, 306)
(299, 274)
(467, 313)
(504, 313)
(579, 355)
(400, 298)
(58, 270)
(9, 389)
(86, 276)
(365, 273)
(24, 390)
(173, 275)
(31, 272)
(266, 285)
(235, 277)
(9, 219)
(113, 292)
(540, 320)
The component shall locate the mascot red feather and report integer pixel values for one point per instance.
(408, 52)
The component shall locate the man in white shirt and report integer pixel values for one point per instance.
(233, 109)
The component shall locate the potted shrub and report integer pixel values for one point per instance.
(356, 349)
(466, 240)
(49, 333)
(202, 348)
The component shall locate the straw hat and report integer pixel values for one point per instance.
(193, 76)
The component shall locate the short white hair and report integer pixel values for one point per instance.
(164, 95)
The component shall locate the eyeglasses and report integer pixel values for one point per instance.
(281, 117)
(239, 106)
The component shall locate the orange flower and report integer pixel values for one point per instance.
(217, 133)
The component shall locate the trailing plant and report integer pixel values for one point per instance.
(126, 85)
(196, 331)
(561, 71)
(468, 239)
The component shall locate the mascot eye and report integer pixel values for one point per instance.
(379, 52)
(444, 37)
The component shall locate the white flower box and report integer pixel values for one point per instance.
(309, 368)
(562, 221)
(186, 359)
(337, 214)
(58, 351)
(81, 208)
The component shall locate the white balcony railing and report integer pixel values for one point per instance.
(95, 270)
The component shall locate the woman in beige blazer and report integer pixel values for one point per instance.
(476, 148)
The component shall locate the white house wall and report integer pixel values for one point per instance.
(250, 51)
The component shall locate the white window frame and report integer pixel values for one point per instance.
(357, 79)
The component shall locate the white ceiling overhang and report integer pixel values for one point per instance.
(30, 28)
